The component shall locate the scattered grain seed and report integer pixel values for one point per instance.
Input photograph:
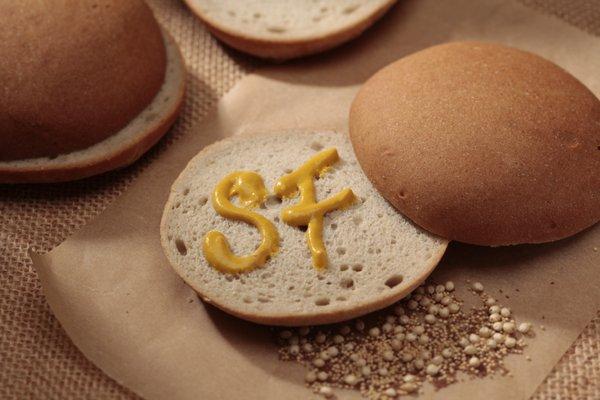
(505, 312)
(310, 376)
(318, 362)
(508, 327)
(474, 362)
(322, 376)
(411, 337)
(333, 351)
(423, 339)
(326, 391)
(390, 392)
(350, 379)
(498, 337)
(383, 371)
(497, 326)
(440, 288)
(294, 349)
(399, 329)
(510, 342)
(449, 286)
(490, 301)
(446, 300)
(447, 352)
(388, 355)
(491, 343)
(437, 360)
(430, 319)
(412, 305)
(495, 310)
(485, 332)
(524, 327)
(470, 350)
(478, 287)
(473, 338)
(366, 371)
(464, 342)
(454, 308)
(432, 369)
(374, 332)
(387, 327)
(408, 387)
(495, 317)
(337, 339)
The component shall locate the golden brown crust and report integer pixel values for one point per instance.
(95, 162)
(74, 72)
(482, 143)
(283, 49)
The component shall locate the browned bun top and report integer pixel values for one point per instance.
(74, 72)
(482, 143)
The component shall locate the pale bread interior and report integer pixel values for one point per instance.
(164, 104)
(286, 20)
(376, 256)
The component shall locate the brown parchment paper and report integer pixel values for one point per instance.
(116, 297)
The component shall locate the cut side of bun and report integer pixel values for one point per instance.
(120, 149)
(287, 29)
(376, 256)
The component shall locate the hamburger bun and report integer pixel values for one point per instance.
(376, 256)
(89, 86)
(482, 143)
(287, 29)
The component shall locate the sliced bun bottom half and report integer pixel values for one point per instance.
(120, 149)
(287, 29)
(376, 256)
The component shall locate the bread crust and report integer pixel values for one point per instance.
(377, 302)
(74, 73)
(482, 144)
(91, 161)
(286, 49)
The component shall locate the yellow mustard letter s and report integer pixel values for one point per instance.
(251, 192)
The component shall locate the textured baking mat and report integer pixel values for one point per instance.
(39, 361)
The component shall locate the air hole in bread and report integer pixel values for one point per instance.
(357, 267)
(288, 170)
(247, 300)
(357, 219)
(181, 247)
(333, 227)
(177, 205)
(303, 228)
(263, 300)
(340, 298)
(320, 277)
(341, 251)
(257, 15)
(276, 219)
(347, 283)
(202, 200)
(322, 301)
(186, 191)
(316, 146)
(231, 13)
(370, 251)
(291, 287)
(350, 9)
(394, 280)
(323, 9)
(393, 241)
(379, 215)
(276, 29)
(552, 225)
(272, 201)
(344, 267)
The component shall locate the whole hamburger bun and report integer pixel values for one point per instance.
(76, 74)
(482, 143)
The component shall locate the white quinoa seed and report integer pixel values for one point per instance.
(490, 301)
(408, 378)
(505, 312)
(508, 327)
(326, 391)
(432, 369)
(485, 332)
(409, 387)
(374, 332)
(491, 343)
(387, 327)
(412, 305)
(498, 337)
(524, 327)
(446, 300)
(478, 287)
(423, 339)
(447, 352)
(322, 376)
(497, 326)
(310, 376)
(444, 313)
(319, 362)
(473, 338)
(474, 362)
(350, 379)
(430, 319)
(388, 355)
(449, 286)
(470, 350)
(510, 342)
(390, 392)
(495, 317)
(454, 308)
(440, 288)
(494, 310)
(383, 371)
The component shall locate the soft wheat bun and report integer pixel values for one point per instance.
(482, 143)
(88, 86)
(376, 256)
(286, 29)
